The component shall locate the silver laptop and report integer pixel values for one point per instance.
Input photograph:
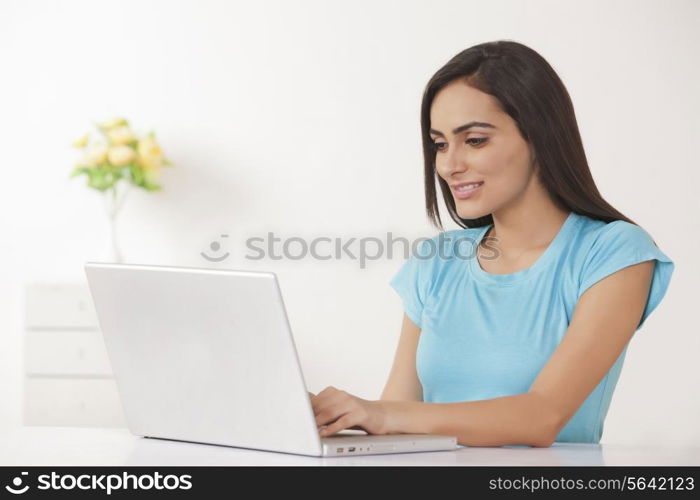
(207, 356)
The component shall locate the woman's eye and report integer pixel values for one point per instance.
(475, 141)
(479, 140)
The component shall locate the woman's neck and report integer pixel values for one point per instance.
(529, 230)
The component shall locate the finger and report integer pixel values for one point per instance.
(312, 400)
(323, 401)
(330, 404)
(358, 428)
(331, 413)
(342, 423)
(328, 389)
(331, 397)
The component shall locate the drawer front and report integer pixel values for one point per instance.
(59, 305)
(72, 402)
(65, 352)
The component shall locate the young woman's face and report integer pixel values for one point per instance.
(491, 151)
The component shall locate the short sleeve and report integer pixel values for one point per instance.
(622, 244)
(411, 283)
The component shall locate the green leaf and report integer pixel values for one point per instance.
(97, 183)
(137, 176)
(125, 172)
(151, 187)
(78, 171)
(102, 177)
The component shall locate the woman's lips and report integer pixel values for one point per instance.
(467, 193)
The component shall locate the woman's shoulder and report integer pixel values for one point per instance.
(597, 234)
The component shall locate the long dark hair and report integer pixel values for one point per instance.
(528, 90)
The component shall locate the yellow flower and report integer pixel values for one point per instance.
(81, 142)
(95, 156)
(120, 135)
(114, 122)
(121, 155)
(150, 155)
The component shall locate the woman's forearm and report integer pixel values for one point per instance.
(522, 419)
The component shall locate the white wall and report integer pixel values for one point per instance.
(301, 117)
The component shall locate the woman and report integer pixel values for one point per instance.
(521, 341)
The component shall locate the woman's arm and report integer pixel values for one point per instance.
(605, 318)
(403, 383)
(522, 419)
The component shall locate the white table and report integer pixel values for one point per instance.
(87, 446)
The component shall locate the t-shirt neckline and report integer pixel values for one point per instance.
(547, 256)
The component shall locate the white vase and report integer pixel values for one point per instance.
(114, 200)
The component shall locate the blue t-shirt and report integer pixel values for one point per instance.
(488, 335)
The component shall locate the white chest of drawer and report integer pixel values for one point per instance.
(68, 378)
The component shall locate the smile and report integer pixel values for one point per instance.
(464, 191)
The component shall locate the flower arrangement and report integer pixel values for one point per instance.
(119, 155)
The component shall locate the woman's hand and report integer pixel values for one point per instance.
(338, 410)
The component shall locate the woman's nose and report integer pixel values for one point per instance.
(454, 162)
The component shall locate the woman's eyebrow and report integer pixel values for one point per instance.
(464, 127)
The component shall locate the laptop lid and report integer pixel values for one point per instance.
(185, 347)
